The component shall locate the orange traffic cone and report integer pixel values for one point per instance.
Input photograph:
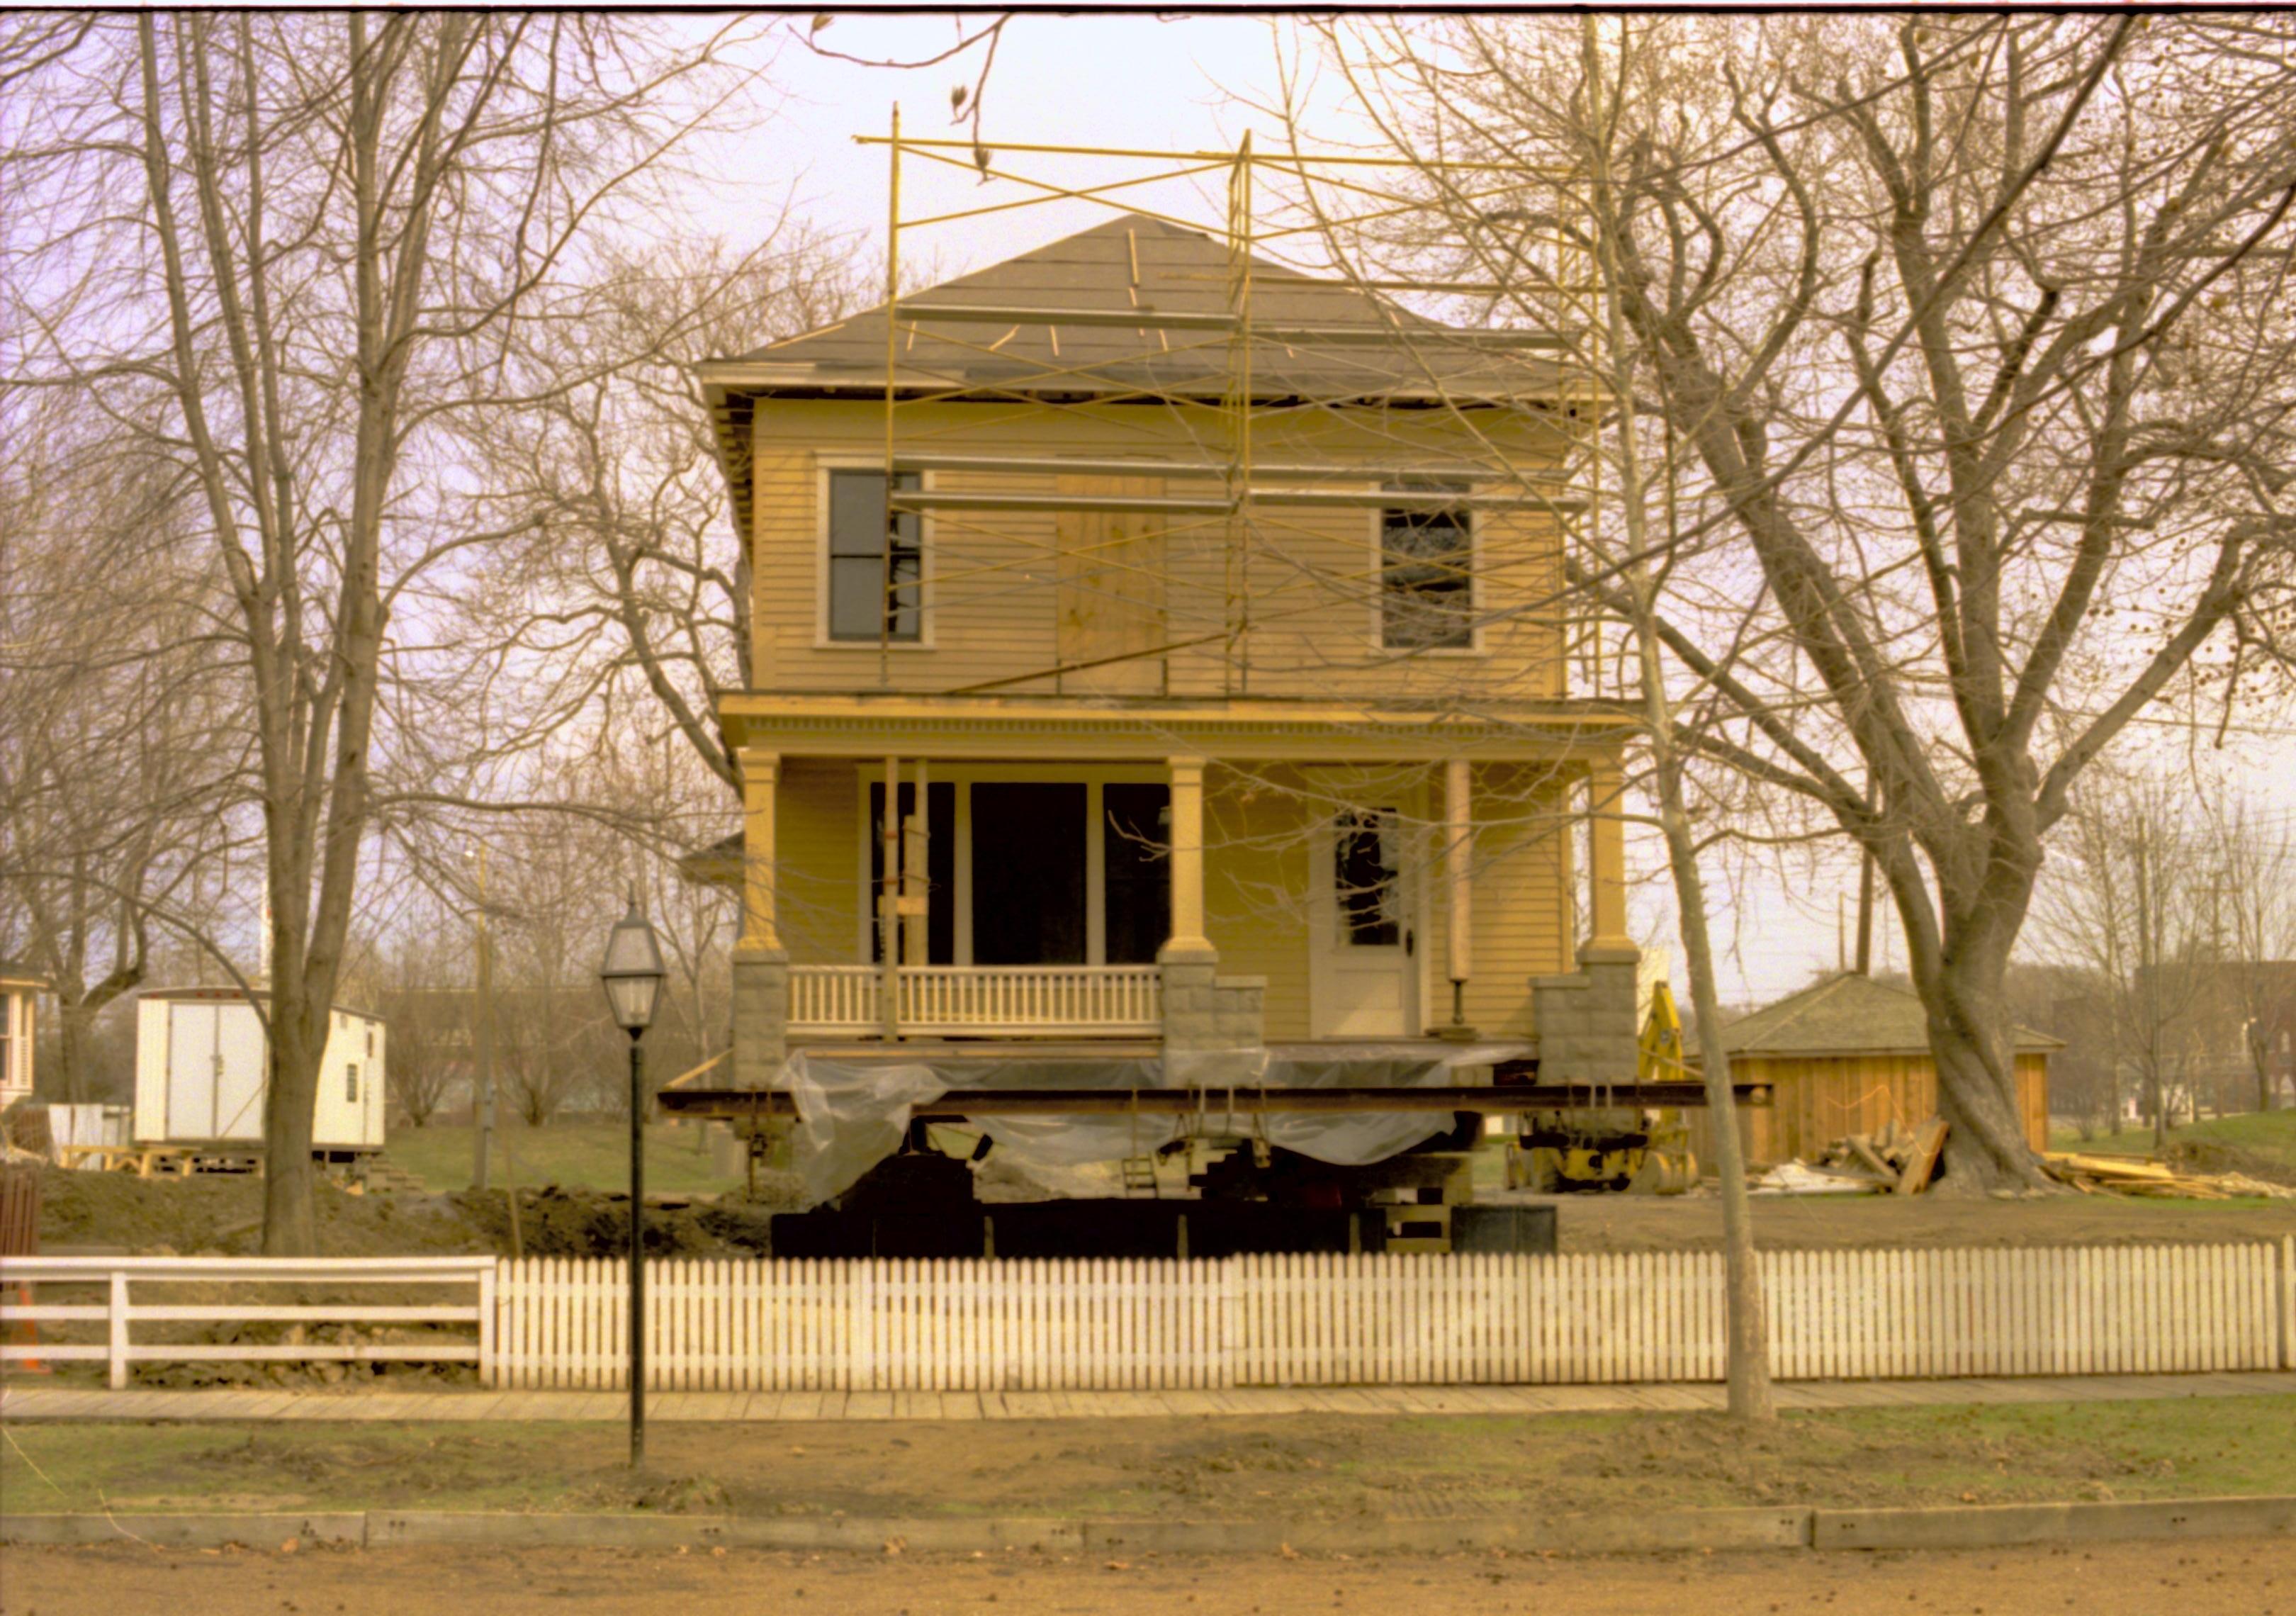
(31, 1330)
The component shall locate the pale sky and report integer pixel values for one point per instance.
(1179, 82)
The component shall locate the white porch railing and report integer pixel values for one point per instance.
(1086, 1001)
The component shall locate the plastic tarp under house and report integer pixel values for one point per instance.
(853, 1112)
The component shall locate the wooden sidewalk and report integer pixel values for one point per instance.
(21, 1402)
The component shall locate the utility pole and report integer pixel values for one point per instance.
(1865, 916)
(2148, 966)
(482, 1096)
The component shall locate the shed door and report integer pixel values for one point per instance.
(244, 1071)
(192, 1060)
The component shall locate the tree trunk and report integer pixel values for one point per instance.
(1749, 1358)
(1971, 1041)
(72, 1018)
(291, 1225)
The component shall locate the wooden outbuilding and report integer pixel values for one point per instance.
(1845, 1057)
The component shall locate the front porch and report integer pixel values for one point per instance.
(1059, 882)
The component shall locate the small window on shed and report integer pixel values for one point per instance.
(350, 1082)
(1426, 577)
(370, 1040)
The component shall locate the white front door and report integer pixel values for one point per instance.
(1363, 969)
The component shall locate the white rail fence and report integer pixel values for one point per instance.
(200, 1293)
(973, 1325)
(936, 1000)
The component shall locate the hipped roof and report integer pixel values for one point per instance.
(1383, 355)
(1134, 262)
(1846, 1014)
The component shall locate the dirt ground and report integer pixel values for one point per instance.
(1281, 1468)
(1691, 1223)
(2228, 1577)
(223, 1214)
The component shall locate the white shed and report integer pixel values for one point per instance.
(20, 998)
(202, 1065)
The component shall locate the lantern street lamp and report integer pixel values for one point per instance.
(632, 977)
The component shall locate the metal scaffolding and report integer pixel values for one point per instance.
(1248, 374)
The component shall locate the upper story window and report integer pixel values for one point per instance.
(876, 561)
(1426, 575)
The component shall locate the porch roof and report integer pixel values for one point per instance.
(1115, 728)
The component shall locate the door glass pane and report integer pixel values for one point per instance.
(1364, 877)
(1027, 873)
(1134, 844)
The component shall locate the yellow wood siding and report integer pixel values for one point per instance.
(994, 578)
(819, 834)
(1518, 903)
(1256, 875)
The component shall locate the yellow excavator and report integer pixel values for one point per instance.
(1613, 1148)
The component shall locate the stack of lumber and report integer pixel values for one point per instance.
(1899, 1160)
(2141, 1175)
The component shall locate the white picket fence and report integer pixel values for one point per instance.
(971, 1324)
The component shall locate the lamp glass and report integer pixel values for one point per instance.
(633, 972)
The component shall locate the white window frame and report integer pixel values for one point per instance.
(1475, 646)
(963, 776)
(927, 545)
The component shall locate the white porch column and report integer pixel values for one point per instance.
(761, 778)
(888, 905)
(915, 903)
(1187, 859)
(1458, 862)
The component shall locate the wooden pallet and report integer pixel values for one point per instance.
(145, 1160)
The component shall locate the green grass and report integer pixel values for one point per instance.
(583, 1154)
(1296, 1467)
(2270, 1135)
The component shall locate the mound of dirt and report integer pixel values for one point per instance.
(223, 1214)
(2216, 1156)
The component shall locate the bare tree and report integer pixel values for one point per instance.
(2127, 899)
(2252, 925)
(1974, 328)
(328, 226)
(114, 748)
(631, 576)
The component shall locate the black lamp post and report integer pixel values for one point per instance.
(632, 977)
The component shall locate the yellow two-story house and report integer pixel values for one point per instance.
(1198, 623)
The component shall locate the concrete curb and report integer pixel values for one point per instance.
(2000, 1525)
(254, 1529)
(1697, 1529)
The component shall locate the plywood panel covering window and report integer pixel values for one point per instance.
(1111, 591)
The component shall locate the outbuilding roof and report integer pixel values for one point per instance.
(1846, 1014)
